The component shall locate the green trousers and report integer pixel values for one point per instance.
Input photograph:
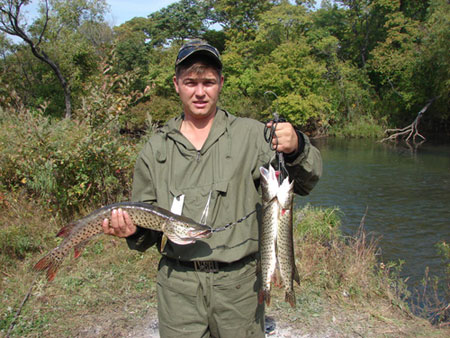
(221, 304)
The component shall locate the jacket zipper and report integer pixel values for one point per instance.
(198, 155)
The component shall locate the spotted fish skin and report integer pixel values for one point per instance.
(285, 241)
(179, 229)
(277, 259)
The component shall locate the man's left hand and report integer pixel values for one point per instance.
(285, 136)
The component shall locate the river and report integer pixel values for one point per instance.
(406, 193)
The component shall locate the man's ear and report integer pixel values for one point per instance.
(175, 83)
(221, 81)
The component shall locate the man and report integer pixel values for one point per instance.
(205, 165)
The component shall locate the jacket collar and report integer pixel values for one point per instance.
(221, 123)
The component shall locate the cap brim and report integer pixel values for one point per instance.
(200, 51)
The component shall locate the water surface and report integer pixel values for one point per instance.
(406, 193)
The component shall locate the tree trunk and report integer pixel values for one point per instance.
(65, 86)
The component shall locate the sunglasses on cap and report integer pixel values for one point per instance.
(198, 47)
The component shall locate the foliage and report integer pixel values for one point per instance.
(67, 36)
(179, 21)
(108, 98)
(65, 164)
(238, 16)
(363, 127)
(413, 64)
(346, 63)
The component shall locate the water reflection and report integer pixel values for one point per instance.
(407, 194)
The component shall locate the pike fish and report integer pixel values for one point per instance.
(277, 244)
(179, 229)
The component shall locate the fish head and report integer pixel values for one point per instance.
(269, 183)
(185, 232)
(285, 193)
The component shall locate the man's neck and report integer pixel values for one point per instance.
(196, 130)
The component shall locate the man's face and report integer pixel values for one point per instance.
(199, 93)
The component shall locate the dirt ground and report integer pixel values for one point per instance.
(342, 324)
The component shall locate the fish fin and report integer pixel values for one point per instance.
(78, 249)
(264, 295)
(65, 230)
(267, 297)
(296, 276)
(290, 297)
(49, 263)
(163, 242)
(260, 297)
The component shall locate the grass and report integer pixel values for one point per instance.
(110, 290)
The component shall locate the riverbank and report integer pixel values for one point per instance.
(110, 291)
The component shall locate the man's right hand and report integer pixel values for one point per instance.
(121, 224)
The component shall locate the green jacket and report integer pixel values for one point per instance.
(228, 167)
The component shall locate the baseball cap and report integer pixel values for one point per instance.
(198, 47)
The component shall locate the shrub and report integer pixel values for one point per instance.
(67, 164)
(364, 126)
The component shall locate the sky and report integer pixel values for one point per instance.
(122, 11)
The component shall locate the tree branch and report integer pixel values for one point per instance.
(410, 130)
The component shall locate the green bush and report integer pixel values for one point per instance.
(364, 126)
(66, 164)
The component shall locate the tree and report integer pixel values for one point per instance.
(67, 37)
(238, 17)
(412, 65)
(364, 26)
(10, 23)
(177, 22)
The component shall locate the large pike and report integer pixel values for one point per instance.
(179, 229)
(277, 248)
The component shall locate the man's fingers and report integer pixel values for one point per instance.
(127, 220)
(285, 138)
(105, 226)
(120, 225)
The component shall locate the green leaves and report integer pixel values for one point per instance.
(65, 163)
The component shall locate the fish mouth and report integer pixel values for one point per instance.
(204, 233)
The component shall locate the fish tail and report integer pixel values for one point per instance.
(49, 263)
(290, 297)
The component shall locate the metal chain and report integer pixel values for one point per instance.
(229, 225)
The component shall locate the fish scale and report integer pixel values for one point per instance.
(179, 229)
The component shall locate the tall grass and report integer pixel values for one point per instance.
(343, 267)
